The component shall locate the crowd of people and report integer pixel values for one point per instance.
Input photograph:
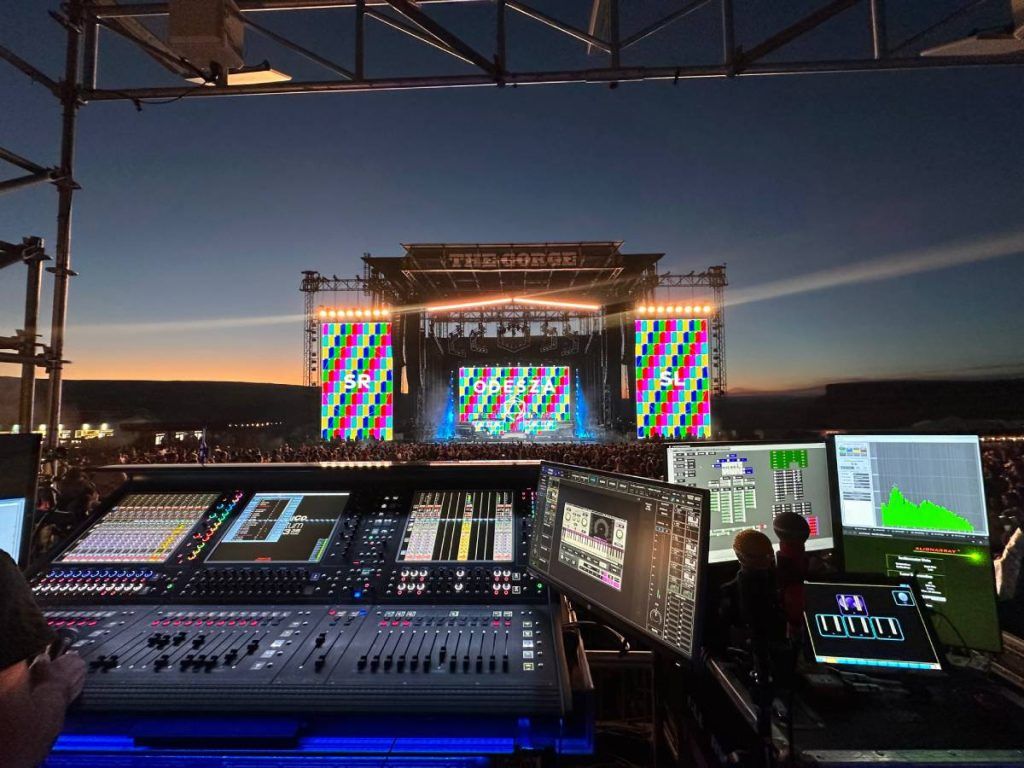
(1003, 467)
(635, 458)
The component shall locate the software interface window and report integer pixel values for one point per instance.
(459, 526)
(751, 484)
(913, 507)
(12, 520)
(631, 548)
(871, 625)
(282, 528)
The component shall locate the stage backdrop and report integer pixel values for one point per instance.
(673, 396)
(357, 380)
(529, 399)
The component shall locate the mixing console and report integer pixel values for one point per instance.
(311, 589)
(309, 657)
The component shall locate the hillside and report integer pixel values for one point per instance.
(181, 402)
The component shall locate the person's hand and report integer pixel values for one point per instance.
(65, 674)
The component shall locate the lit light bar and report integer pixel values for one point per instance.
(553, 303)
(470, 304)
(353, 313)
(525, 300)
(669, 310)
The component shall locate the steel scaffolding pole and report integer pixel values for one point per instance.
(33, 291)
(66, 186)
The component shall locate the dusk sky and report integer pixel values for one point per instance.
(196, 218)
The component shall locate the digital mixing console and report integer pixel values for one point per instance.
(306, 588)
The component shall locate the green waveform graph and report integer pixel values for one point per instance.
(900, 512)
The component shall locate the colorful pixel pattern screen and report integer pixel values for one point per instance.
(357, 380)
(673, 383)
(528, 399)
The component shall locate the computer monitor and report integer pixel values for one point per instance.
(864, 624)
(19, 471)
(630, 548)
(751, 483)
(912, 507)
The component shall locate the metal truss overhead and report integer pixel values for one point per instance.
(612, 53)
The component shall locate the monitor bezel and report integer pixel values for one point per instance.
(833, 515)
(876, 580)
(611, 616)
(34, 445)
(840, 549)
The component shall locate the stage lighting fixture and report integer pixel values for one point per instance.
(707, 308)
(323, 313)
(257, 75)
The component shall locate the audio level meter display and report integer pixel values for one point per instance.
(460, 527)
(141, 528)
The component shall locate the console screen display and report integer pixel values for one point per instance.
(282, 528)
(141, 528)
(459, 527)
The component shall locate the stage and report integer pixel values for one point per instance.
(549, 342)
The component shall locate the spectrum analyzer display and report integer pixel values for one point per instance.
(673, 378)
(356, 377)
(913, 507)
(531, 399)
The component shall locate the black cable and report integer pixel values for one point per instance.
(624, 646)
(931, 609)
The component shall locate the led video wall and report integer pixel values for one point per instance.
(673, 383)
(528, 399)
(357, 380)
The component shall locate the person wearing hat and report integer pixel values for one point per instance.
(35, 689)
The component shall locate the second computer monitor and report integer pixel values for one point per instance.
(752, 483)
(913, 507)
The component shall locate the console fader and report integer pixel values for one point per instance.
(311, 588)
